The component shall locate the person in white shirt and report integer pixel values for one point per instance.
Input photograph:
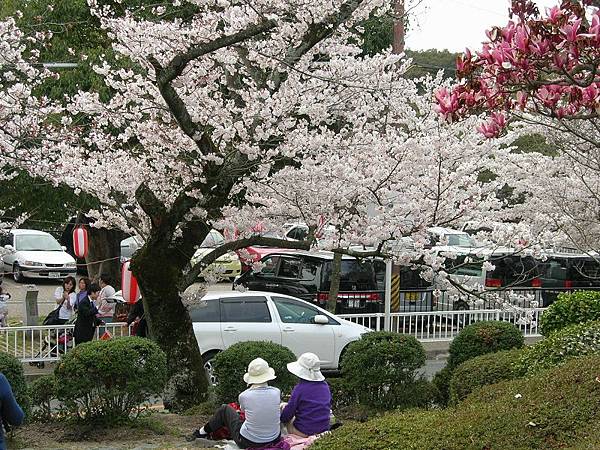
(65, 297)
(105, 308)
(260, 404)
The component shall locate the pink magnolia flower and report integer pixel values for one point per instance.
(447, 102)
(570, 30)
(554, 14)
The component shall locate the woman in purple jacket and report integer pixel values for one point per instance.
(309, 408)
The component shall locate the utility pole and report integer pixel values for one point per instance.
(399, 31)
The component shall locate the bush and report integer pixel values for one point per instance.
(42, 391)
(380, 369)
(341, 394)
(552, 410)
(12, 369)
(231, 365)
(109, 380)
(441, 382)
(565, 344)
(481, 338)
(570, 309)
(482, 371)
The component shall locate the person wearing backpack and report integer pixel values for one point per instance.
(10, 411)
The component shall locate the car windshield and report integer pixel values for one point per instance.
(460, 240)
(213, 239)
(37, 242)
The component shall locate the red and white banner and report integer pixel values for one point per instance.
(80, 242)
(129, 285)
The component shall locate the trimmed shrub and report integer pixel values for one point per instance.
(12, 369)
(42, 391)
(341, 394)
(560, 346)
(231, 365)
(441, 382)
(110, 380)
(552, 410)
(481, 338)
(570, 309)
(380, 370)
(484, 370)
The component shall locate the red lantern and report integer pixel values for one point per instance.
(80, 241)
(129, 285)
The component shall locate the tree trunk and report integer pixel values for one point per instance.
(158, 268)
(104, 245)
(334, 287)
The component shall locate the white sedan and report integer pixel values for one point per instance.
(222, 319)
(35, 254)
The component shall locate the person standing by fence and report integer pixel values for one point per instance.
(85, 325)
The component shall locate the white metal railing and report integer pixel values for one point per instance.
(445, 325)
(47, 343)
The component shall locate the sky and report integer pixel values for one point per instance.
(456, 24)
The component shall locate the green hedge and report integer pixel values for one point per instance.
(12, 369)
(484, 370)
(42, 392)
(380, 369)
(475, 340)
(555, 409)
(560, 346)
(569, 309)
(481, 338)
(109, 380)
(230, 366)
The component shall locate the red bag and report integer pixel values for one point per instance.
(223, 432)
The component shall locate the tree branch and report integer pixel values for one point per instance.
(208, 259)
(165, 75)
(151, 205)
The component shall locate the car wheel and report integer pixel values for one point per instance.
(17, 274)
(209, 369)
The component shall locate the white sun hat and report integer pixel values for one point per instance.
(307, 367)
(259, 372)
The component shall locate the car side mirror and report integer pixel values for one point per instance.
(9, 247)
(320, 319)
(64, 248)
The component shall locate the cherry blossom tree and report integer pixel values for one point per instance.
(238, 112)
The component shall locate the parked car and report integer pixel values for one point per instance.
(225, 266)
(564, 272)
(250, 255)
(222, 319)
(307, 276)
(35, 254)
(129, 246)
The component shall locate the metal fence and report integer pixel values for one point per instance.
(445, 325)
(48, 342)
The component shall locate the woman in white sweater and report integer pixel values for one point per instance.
(65, 297)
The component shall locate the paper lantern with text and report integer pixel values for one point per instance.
(129, 285)
(80, 241)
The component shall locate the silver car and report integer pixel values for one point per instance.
(35, 254)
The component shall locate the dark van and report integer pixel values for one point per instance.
(308, 276)
(567, 272)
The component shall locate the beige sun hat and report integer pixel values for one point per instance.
(259, 372)
(307, 367)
